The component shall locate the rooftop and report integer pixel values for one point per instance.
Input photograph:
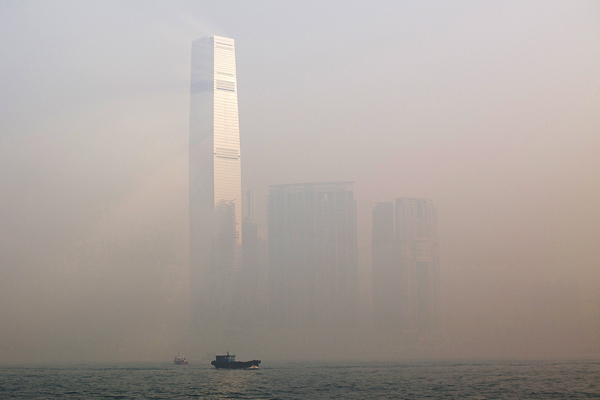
(312, 184)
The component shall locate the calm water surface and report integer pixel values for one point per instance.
(410, 380)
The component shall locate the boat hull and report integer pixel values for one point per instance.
(236, 364)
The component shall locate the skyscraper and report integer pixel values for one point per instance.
(215, 182)
(389, 301)
(251, 292)
(313, 255)
(406, 267)
(418, 246)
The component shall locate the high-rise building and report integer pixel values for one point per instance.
(418, 245)
(313, 255)
(215, 183)
(252, 293)
(248, 203)
(389, 301)
(406, 267)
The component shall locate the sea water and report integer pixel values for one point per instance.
(306, 380)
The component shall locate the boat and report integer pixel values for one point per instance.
(228, 361)
(180, 360)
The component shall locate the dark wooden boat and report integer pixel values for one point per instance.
(228, 361)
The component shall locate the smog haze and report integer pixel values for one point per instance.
(489, 109)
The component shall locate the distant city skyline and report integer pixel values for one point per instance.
(490, 109)
(312, 279)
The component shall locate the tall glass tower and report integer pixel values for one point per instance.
(215, 183)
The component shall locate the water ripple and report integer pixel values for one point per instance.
(434, 380)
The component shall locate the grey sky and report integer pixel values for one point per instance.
(489, 108)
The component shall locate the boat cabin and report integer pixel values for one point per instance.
(226, 358)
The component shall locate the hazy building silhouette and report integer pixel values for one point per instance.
(215, 185)
(249, 229)
(252, 283)
(417, 238)
(313, 255)
(406, 267)
(389, 300)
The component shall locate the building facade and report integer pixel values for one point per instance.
(389, 301)
(313, 278)
(418, 244)
(406, 273)
(251, 294)
(215, 193)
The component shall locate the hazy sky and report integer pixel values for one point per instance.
(491, 109)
